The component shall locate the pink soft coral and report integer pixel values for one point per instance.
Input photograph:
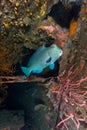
(60, 34)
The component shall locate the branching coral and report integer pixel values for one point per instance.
(69, 98)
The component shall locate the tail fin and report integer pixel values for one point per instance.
(26, 71)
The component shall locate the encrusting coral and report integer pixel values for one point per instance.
(8, 58)
(73, 27)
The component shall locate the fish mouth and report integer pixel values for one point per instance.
(58, 52)
(61, 53)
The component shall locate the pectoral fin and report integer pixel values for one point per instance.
(52, 66)
(48, 60)
(26, 71)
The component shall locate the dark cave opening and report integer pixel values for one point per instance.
(63, 15)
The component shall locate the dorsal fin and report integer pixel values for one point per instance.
(38, 51)
(41, 48)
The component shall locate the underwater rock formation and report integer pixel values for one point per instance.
(63, 14)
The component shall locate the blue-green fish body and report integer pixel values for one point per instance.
(42, 58)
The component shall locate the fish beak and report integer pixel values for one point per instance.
(61, 53)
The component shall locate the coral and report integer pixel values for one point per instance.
(60, 34)
(83, 12)
(16, 79)
(29, 41)
(73, 27)
(69, 98)
(24, 16)
(9, 56)
(16, 10)
(18, 31)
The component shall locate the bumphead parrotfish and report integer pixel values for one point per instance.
(42, 58)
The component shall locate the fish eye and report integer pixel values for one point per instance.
(53, 46)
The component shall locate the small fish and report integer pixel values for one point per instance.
(42, 58)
